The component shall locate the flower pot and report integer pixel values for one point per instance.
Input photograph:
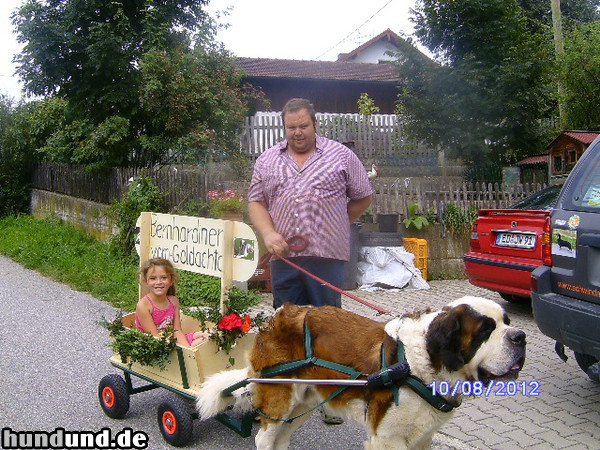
(237, 216)
(388, 223)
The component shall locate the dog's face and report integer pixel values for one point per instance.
(473, 335)
(470, 338)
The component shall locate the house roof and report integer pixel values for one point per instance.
(585, 137)
(537, 159)
(388, 35)
(323, 70)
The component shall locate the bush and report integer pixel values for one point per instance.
(142, 195)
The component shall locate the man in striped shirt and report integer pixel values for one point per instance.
(313, 187)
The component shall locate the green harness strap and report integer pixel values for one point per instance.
(290, 366)
(413, 382)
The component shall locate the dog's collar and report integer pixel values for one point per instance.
(398, 374)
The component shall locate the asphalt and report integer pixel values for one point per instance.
(54, 354)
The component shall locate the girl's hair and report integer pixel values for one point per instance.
(164, 263)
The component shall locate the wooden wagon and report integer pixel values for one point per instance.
(167, 236)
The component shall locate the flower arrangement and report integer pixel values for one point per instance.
(223, 202)
(226, 328)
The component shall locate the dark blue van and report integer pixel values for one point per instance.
(566, 289)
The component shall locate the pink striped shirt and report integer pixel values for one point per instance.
(312, 200)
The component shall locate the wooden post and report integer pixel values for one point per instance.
(144, 237)
(227, 276)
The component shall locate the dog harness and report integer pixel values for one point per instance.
(392, 377)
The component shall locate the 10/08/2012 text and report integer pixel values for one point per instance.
(497, 388)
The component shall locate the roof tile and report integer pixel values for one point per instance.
(328, 70)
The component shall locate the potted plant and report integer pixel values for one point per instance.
(226, 205)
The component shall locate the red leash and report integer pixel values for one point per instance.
(298, 248)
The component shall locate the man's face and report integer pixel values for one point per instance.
(300, 131)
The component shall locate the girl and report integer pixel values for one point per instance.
(160, 308)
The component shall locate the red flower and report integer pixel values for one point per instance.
(246, 324)
(230, 322)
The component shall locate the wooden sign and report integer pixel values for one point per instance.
(222, 248)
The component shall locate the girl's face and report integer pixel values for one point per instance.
(158, 280)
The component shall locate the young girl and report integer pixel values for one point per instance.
(160, 308)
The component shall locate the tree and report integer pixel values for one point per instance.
(24, 128)
(579, 72)
(194, 102)
(485, 98)
(101, 58)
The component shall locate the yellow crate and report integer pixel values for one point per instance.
(418, 247)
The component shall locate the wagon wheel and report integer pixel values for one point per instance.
(113, 396)
(175, 421)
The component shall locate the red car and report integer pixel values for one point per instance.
(506, 245)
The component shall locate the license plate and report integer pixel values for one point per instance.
(515, 240)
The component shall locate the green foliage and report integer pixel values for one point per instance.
(457, 220)
(223, 202)
(485, 100)
(135, 91)
(366, 105)
(579, 73)
(134, 345)
(414, 219)
(142, 195)
(69, 256)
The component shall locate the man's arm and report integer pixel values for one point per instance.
(358, 206)
(260, 218)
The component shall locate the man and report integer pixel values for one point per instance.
(313, 187)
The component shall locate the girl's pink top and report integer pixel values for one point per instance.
(161, 317)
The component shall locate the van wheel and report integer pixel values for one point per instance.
(589, 365)
(515, 299)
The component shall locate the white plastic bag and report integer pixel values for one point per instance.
(388, 267)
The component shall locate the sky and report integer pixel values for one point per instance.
(311, 29)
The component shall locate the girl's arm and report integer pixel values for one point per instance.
(144, 313)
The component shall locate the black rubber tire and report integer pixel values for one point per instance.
(175, 421)
(516, 299)
(113, 396)
(378, 239)
(585, 361)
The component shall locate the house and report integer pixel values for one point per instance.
(534, 169)
(565, 151)
(332, 86)
(375, 50)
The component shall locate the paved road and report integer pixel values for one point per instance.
(54, 354)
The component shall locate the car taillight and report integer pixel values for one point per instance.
(547, 243)
(475, 238)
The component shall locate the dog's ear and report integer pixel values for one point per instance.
(444, 339)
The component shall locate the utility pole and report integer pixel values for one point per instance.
(559, 49)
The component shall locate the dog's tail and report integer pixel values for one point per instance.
(210, 402)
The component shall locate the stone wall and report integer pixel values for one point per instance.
(84, 215)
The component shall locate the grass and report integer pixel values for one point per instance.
(60, 252)
(66, 255)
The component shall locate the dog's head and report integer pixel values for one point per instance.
(473, 335)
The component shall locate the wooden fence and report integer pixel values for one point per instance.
(394, 197)
(375, 139)
(182, 185)
(177, 185)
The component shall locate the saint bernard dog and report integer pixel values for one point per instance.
(468, 340)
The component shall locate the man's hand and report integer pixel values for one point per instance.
(276, 243)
